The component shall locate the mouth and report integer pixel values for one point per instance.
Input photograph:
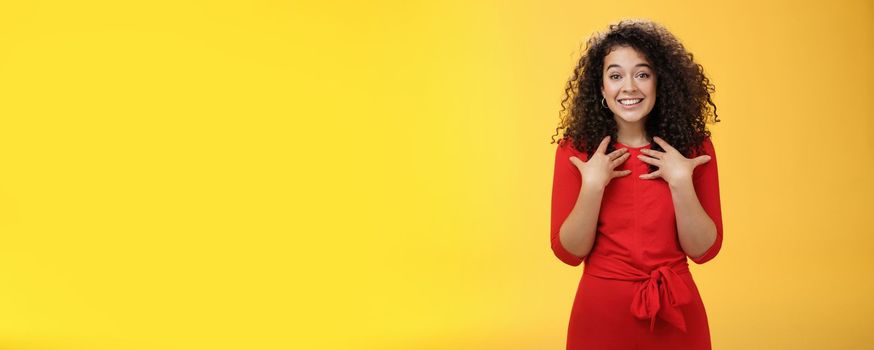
(630, 102)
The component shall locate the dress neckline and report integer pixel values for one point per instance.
(648, 145)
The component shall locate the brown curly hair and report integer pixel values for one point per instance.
(681, 109)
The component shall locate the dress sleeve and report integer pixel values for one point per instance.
(566, 183)
(706, 180)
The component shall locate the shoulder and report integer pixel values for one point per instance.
(567, 146)
(707, 147)
(708, 167)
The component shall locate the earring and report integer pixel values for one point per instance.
(604, 102)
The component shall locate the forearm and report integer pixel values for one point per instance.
(695, 228)
(577, 233)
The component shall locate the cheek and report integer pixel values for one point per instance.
(610, 89)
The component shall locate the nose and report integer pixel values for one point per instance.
(629, 85)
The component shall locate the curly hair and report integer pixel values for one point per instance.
(681, 109)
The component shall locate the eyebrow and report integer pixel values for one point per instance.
(638, 65)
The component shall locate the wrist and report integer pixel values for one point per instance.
(683, 183)
(590, 186)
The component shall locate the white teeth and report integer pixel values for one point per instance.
(630, 102)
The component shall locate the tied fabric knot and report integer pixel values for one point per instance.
(661, 295)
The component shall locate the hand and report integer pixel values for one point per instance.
(673, 166)
(598, 170)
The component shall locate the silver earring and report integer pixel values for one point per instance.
(604, 102)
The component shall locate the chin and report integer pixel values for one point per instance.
(631, 118)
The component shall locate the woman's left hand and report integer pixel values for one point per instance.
(673, 166)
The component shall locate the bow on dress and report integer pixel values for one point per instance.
(661, 295)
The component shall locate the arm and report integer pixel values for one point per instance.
(575, 209)
(697, 207)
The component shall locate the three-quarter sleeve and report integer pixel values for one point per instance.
(566, 183)
(706, 180)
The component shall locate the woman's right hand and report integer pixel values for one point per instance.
(598, 170)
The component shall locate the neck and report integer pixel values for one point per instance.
(632, 134)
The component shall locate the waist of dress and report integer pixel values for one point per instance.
(611, 268)
(660, 292)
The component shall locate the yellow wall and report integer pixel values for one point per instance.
(328, 175)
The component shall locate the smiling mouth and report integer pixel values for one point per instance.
(630, 102)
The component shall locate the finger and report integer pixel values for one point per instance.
(653, 175)
(652, 153)
(650, 160)
(701, 159)
(603, 146)
(618, 173)
(621, 159)
(662, 143)
(576, 161)
(617, 153)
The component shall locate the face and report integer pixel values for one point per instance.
(630, 78)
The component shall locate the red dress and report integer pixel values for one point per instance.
(636, 291)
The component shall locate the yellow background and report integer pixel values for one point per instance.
(376, 175)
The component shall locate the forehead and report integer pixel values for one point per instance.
(625, 57)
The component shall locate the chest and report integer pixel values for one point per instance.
(631, 198)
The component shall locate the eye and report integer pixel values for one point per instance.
(645, 75)
(613, 75)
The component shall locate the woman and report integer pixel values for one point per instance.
(635, 191)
